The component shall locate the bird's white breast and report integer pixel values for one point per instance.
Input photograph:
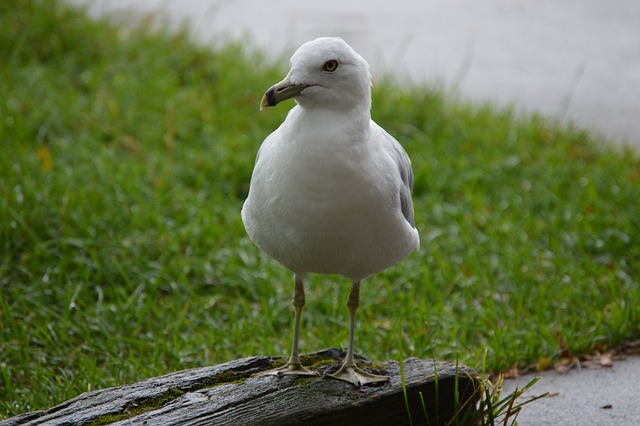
(322, 198)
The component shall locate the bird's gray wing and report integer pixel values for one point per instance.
(406, 175)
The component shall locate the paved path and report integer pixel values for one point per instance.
(609, 396)
(570, 59)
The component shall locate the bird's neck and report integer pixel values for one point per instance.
(350, 126)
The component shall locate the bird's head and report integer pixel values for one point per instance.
(325, 73)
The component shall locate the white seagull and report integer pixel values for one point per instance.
(331, 190)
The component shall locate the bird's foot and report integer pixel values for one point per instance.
(289, 369)
(356, 376)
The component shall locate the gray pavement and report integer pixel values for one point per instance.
(574, 60)
(604, 396)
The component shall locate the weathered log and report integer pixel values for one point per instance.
(226, 394)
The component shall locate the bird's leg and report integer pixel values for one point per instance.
(294, 366)
(349, 371)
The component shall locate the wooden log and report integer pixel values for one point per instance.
(226, 394)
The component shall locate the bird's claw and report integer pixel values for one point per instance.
(289, 369)
(356, 376)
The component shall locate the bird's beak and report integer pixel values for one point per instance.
(280, 92)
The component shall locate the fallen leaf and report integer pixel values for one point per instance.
(598, 360)
(565, 364)
(511, 373)
(632, 347)
(544, 363)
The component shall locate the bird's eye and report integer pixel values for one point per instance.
(330, 66)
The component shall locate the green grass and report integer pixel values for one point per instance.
(125, 156)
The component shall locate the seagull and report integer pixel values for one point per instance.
(331, 190)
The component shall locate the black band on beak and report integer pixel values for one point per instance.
(271, 96)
